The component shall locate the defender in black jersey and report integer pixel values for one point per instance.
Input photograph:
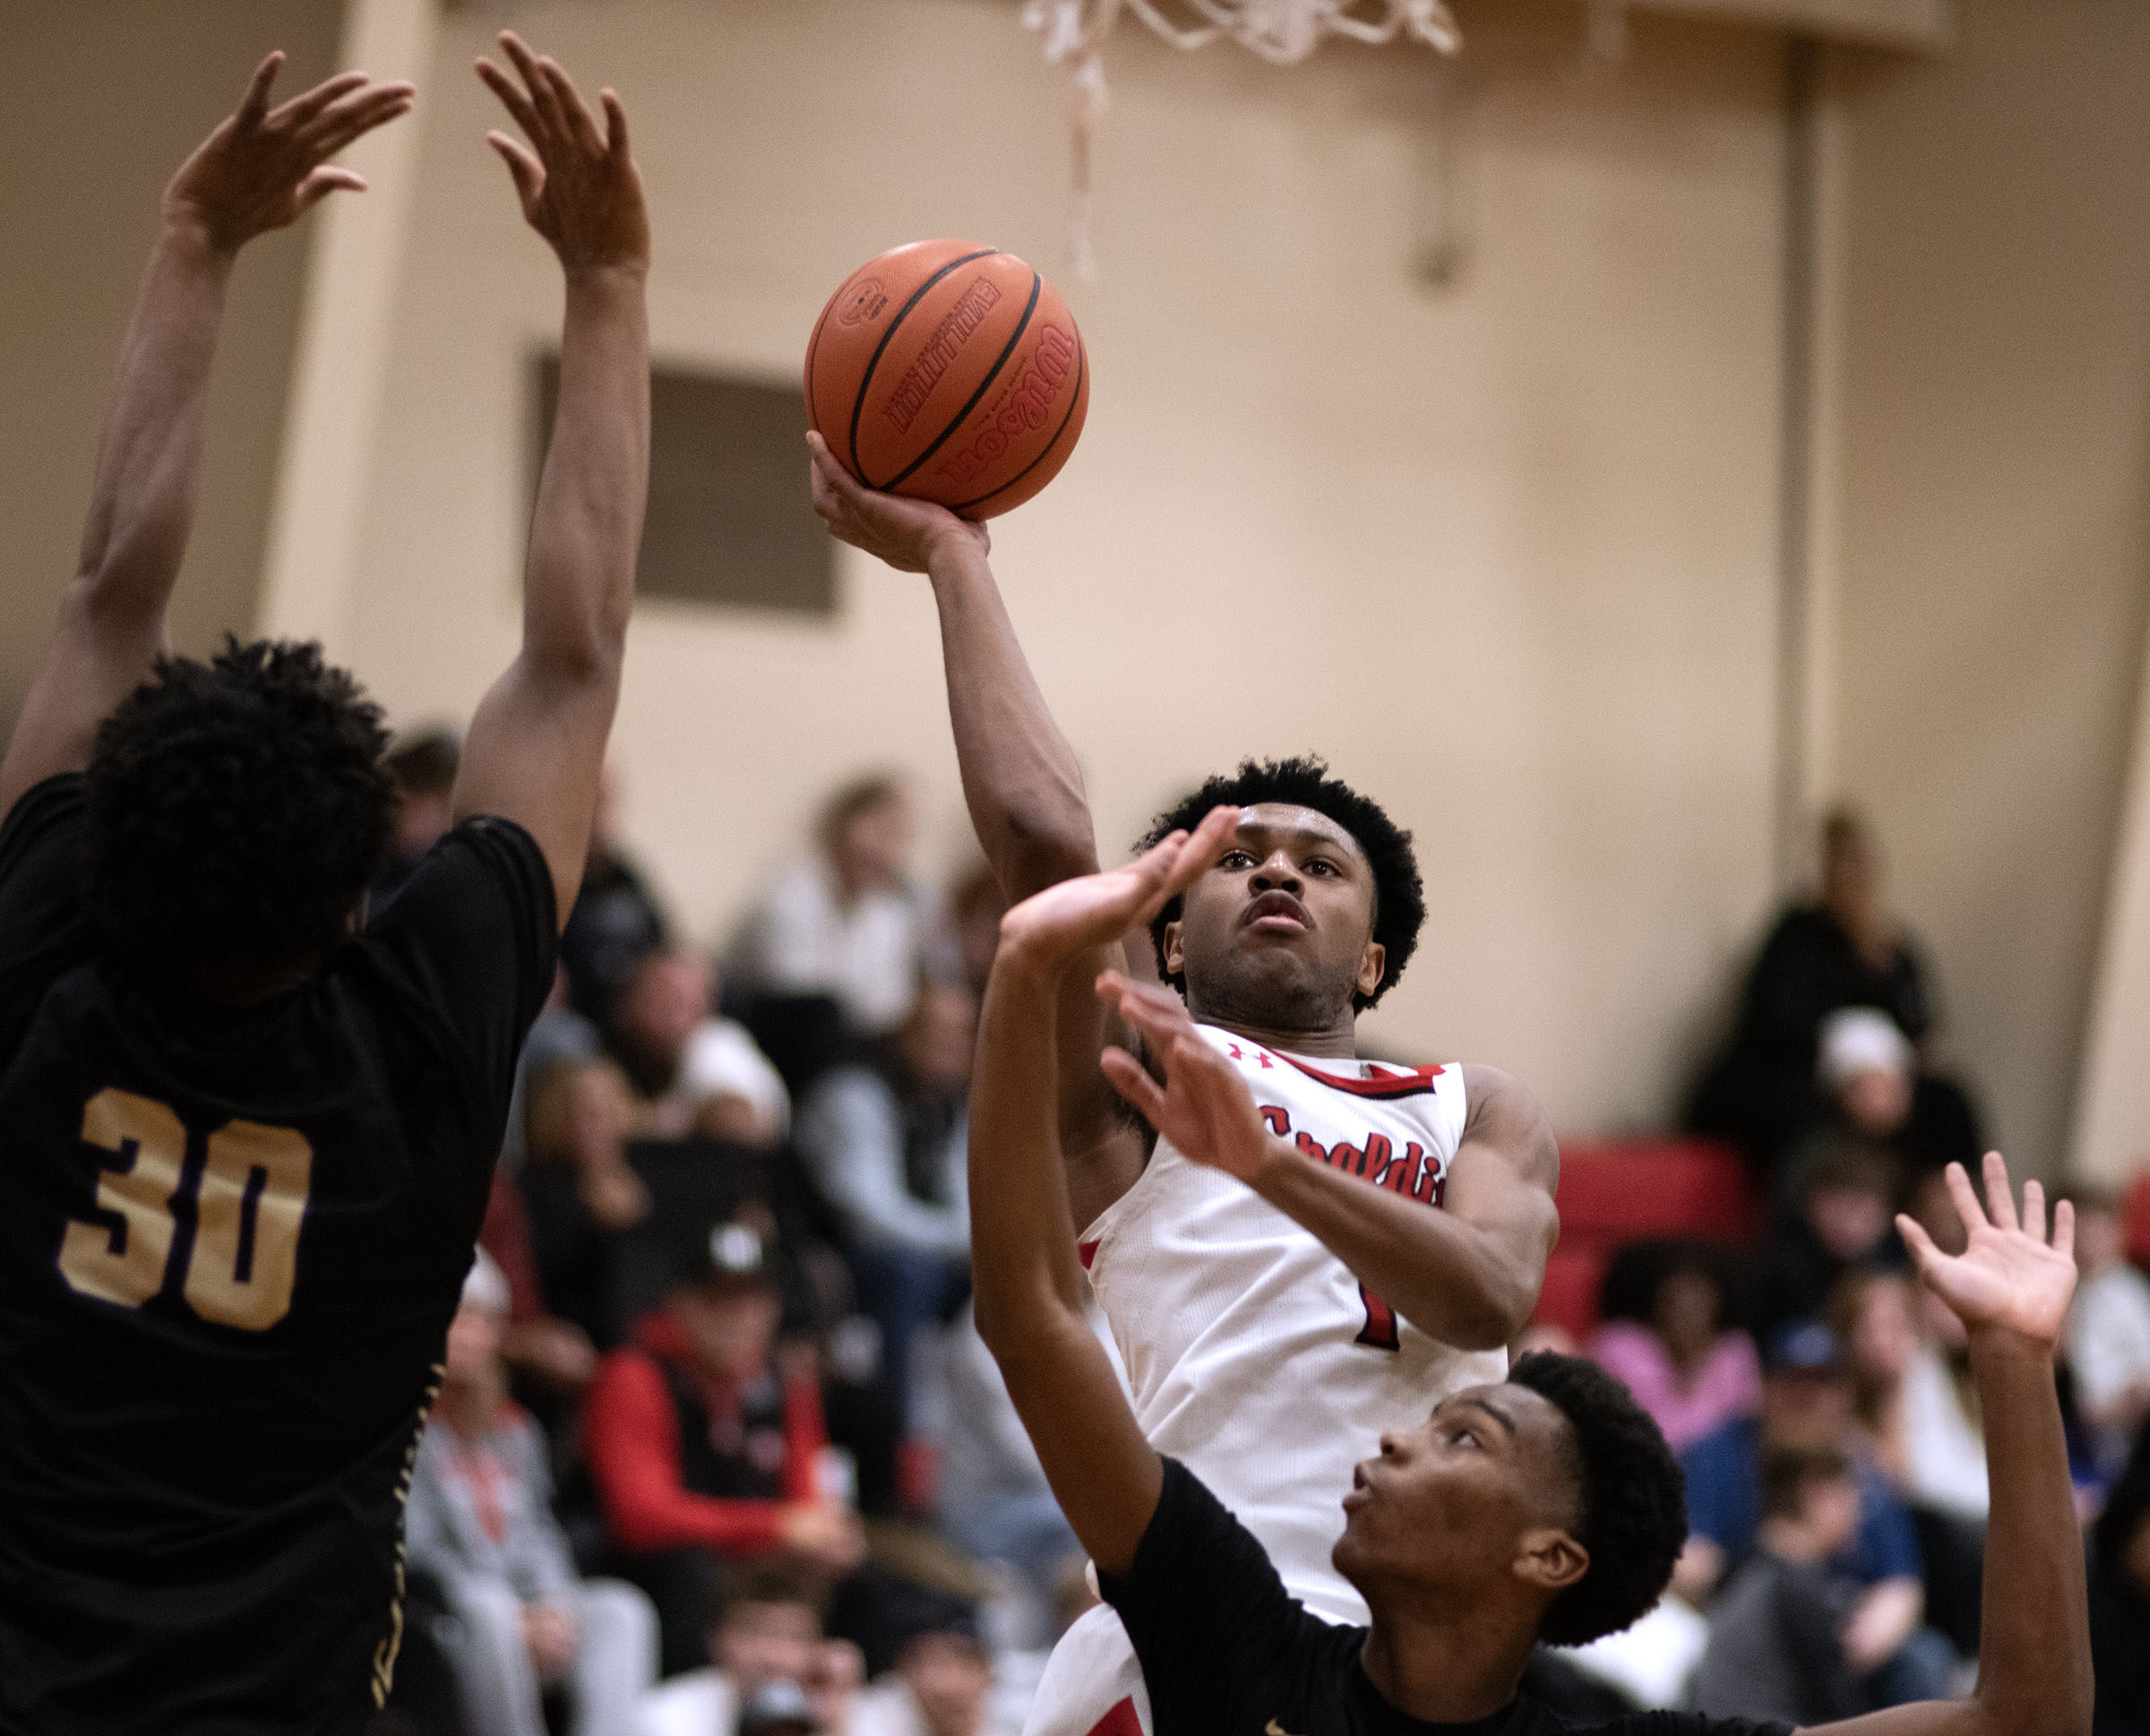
(245, 1139)
(1544, 1509)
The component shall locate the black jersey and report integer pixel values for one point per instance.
(1226, 1651)
(230, 1245)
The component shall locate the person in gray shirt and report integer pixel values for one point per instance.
(1774, 1649)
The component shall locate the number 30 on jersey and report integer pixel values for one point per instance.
(249, 1196)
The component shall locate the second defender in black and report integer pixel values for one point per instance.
(1544, 1509)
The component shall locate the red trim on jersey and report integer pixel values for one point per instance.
(1123, 1720)
(1415, 1083)
(1087, 1251)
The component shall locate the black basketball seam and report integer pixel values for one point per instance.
(1082, 361)
(1037, 286)
(865, 379)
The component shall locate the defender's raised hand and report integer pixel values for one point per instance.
(580, 188)
(1093, 910)
(2010, 1276)
(1203, 1107)
(904, 532)
(263, 167)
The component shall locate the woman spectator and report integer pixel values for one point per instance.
(847, 922)
(1667, 1332)
(1844, 950)
(579, 1192)
(479, 1520)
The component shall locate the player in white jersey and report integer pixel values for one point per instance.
(1266, 1325)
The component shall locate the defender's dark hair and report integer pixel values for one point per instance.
(1400, 900)
(237, 809)
(1632, 1493)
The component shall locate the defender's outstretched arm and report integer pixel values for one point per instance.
(1027, 1288)
(1020, 782)
(2010, 1288)
(537, 745)
(261, 169)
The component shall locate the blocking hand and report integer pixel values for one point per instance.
(263, 167)
(893, 528)
(580, 189)
(1204, 1106)
(1097, 910)
(2010, 1276)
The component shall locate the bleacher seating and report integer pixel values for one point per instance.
(1619, 1190)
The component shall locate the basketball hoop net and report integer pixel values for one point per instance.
(1282, 32)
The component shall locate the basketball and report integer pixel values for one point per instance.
(949, 371)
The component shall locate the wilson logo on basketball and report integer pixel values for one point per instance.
(1028, 401)
(866, 302)
(948, 337)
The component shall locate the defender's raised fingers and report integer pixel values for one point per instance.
(308, 105)
(616, 124)
(254, 103)
(2064, 1230)
(2000, 1201)
(2034, 1211)
(339, 125)
(1129, 1077)
(581, 124)
(544, 106)
(1923, 1253)
(511, 95)
(1967, 1208)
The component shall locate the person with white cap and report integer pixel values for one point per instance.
(481, 1521)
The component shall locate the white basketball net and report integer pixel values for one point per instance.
(1281, 31)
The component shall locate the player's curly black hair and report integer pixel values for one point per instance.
(1633, 1497)
(1399, 899)
(237, 809)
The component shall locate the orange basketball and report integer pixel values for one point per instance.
(949, 371)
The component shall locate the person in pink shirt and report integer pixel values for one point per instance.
(1667, 1333)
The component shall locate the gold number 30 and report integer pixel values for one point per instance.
(249, 1205)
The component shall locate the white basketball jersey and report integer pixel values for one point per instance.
(1252, 1354)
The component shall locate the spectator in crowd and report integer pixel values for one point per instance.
(2119, 1600)
(847, 922)
(995, 1504)
(2108, 1340)
(479, 1520)
(1808, 1403)
(1667, 1332)
(885, 1140)
(578, 1190)
(617, 920)
(1868, 1073)
(1843, 950)
(770, 1633)
(555, 1355)
(1910, 1398)
(423, 766)
(1774, 1652)
(1840, 1217)
(942, 1678)
(696, 1073)
(703, 1451)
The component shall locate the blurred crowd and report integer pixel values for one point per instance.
(718, 1452)
(717, 1449)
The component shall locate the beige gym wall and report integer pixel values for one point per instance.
(1504, 552)
(98, 105)
(1994, 471)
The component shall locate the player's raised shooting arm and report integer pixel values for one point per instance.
(2010, 1288)
(1021, 780)
(260, 170)
(1027, 1287)
(537, 746)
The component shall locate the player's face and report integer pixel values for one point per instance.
(1279, 933)
(1480, 1495)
